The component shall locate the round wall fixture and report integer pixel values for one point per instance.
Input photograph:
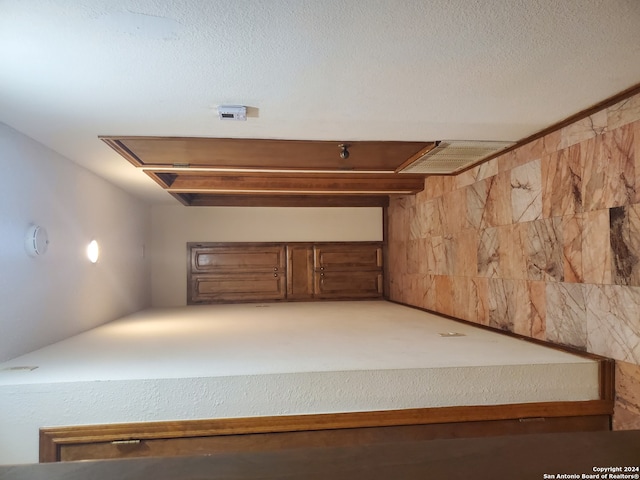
(36, 241)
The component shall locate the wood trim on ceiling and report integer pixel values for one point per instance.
(252, 153)
(278, 200)
(291, 183)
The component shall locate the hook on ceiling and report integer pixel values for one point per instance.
(344, 153)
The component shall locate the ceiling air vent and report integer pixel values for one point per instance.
(449, 156)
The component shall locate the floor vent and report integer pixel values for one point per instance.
(450, 156)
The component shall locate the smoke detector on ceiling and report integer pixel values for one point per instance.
(451, 156)
(232, 112)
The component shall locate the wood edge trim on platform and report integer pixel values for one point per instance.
(52, 438)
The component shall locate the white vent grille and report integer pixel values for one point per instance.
(449, 156)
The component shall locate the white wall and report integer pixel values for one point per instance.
(59, 294)
(173, 226)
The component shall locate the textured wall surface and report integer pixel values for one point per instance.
(220, 361)
(543, 241)
(60, 293)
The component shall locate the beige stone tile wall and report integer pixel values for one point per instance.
(543, 241)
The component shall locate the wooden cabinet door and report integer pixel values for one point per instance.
(237, 258)
(239, 272)
(348, 270)
(353, 284)
(348, 256)
(238, 287)
(299, 272)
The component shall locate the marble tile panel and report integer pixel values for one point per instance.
(398, 217)
(511, 250)
(489, 253)
(551, 142)
(609, 170)
(497, 208)
(479, 300)
(397, 258)
(502, 303)
(624, 112)
(434, 217)
(635, 131)
(543, 250)
(422, 196)
(596, 248)
(449, 242)
(423, 252)
(562, 183)
(613, 321)
(538, 310)
(477, 173)
(529, 152)
(455, 211)
(413, 285)
(466, 178)
(624, 235)
(415, 224)
(395, 287)
(438, 185)
(413, 256)
(520, 307)
(628, 387)
(522, 155)
(584, 129)
(465, 255)
(571, 227)
(444, 295)
(625, 418)
(428, 292)
(418, 228)
(440, 255)
(459, 307)
(506, 161)
(476, 199)
(565, 314)
(464, 307)
(526, 192)
(626, 415)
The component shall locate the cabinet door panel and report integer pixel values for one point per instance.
(238, 287)
(252, 258)
(348, 257)
(299, 272)
(364, 284)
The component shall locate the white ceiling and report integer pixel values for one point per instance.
(71, 70)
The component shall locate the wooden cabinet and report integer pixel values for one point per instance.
(253, 272)
(348, 270)
(221, 273)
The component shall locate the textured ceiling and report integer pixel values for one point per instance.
(325, 70)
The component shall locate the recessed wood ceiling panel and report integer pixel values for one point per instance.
(226, 171)
(163, 152)
(280, 200)
(292, 182)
